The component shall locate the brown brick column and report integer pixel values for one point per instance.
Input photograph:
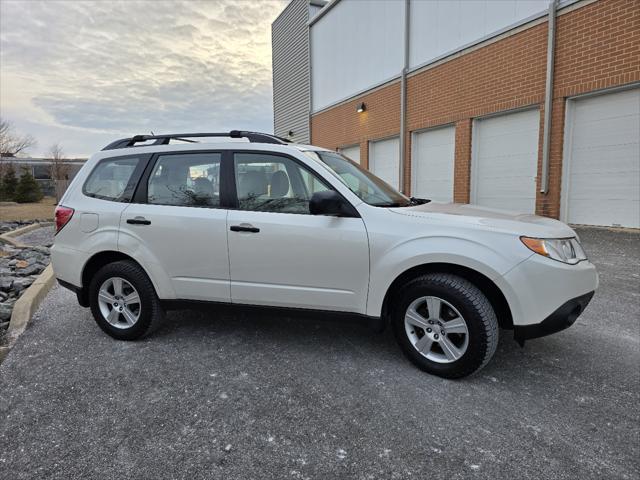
(462, 167)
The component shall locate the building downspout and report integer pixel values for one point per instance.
(548, 97)
(309, 84)
(403, 92)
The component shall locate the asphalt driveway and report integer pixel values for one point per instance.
(239, 397)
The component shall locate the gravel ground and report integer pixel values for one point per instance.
(41, 236)
(238, 397)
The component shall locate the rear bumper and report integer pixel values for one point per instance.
(561, 318)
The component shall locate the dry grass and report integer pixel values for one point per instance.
(42, 210)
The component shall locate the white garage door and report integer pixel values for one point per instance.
(384, 160)
(352, 152)
(505, 160)
(432, 160)
(601, 172)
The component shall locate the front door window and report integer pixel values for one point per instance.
(272, 183)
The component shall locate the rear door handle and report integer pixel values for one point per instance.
(244, 228)
(138, 221)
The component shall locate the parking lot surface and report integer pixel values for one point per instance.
(256, 396)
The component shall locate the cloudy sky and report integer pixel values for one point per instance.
(83, 73)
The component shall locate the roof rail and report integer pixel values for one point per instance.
(253, 137)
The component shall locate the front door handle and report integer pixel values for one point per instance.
(138, 221)
(245, 227)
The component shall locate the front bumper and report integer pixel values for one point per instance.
(562, 318)
(536, 288)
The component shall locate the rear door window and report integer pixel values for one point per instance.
(186, 180)
(113, 179)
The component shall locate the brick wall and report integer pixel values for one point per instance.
(343, 125)
(597, 46)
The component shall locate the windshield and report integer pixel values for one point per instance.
(364, 184)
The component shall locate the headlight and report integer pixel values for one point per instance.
(566, 250)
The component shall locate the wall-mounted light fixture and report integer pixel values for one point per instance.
(361, 108)
(290, 133)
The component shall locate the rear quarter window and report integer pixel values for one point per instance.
(113, 179)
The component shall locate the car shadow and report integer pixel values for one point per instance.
(287, 333)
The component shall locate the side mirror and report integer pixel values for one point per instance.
(331, 203)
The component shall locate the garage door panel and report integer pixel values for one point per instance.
(505, 160)
(507, 187)
(605, 106)
(501, 125)
(595, 187)
(504, 166)
(433, 153)
(606, 133)
(352, 152)
(613, 212)
(601, 184)
(384, 160)
(519, 144)
(615, 159)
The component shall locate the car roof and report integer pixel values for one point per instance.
(204, 145)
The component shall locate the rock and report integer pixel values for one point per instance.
(30, 270)
(3, 296)
(6, 283)
(22, 283)
(22, 264)
(5, 311)
(4, 325)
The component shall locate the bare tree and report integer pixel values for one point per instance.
(59, 169)
(11, 142)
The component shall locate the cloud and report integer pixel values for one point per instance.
(130, 67)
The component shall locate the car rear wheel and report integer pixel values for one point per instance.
(445, 325)
(123, 301)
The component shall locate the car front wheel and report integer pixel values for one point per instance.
(123, 301)
(445, 325)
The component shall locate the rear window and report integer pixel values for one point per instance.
(110, 178)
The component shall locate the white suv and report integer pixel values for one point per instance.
(157, 222)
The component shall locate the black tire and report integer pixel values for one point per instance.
(481, 322)
(151, 312)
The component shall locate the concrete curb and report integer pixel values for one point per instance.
(25, 307)
(8, 236)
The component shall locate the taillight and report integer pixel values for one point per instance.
(63, 215)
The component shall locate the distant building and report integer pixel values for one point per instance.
(40, 168)
(290, 45)
(532, 105)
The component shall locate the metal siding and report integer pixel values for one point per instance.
(439, 27)
(356, 45)
(290, 45)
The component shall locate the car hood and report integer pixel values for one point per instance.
(489, 218)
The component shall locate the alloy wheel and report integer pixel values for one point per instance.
(119, 302)
(436, 329)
